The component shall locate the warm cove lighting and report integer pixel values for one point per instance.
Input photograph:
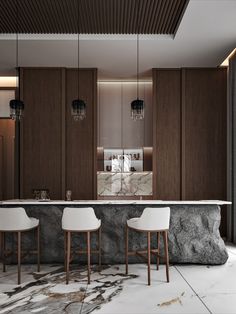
(225, 63)
(124, 82)
(8, 81)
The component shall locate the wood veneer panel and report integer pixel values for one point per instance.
(1, 167)
(205, 133)
(81, 136)
(41, 131)
(167, 134)
(7, 169)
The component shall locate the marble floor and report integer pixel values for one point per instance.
(193, 289)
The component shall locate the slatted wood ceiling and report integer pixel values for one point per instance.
(96, 16)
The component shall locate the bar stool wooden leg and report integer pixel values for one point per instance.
(65, 249)
(126, 249)
(68, 256)
(19, 256)
(88, 252)
(99, 248)
(149, 257)
(3, 247)
(165, 237)
(158, 248)
(38, 247)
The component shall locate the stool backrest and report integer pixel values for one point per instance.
(79, 219)
(14, 219)
(155, 218)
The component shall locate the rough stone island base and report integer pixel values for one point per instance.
(193, 237)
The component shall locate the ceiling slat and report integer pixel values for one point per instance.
(96, 16)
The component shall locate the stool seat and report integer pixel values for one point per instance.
(152, 219)
(80, 219)
(16, 219)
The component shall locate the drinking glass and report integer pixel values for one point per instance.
(68, 195)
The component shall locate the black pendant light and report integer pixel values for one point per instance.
(78, 106)
(137, 105)
(16, 105)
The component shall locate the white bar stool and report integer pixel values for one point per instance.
(80, 220)
(16, 220)
(152, 220)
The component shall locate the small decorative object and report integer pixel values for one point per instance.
(108, 168)
(68, 195)
(44, 195)
(36, 194)
(41, 194)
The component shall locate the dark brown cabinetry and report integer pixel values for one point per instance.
(204, 133)
(189, 148)
(7, 160)
(81, 137)
(41, 163)
(166, 134)
(56, 152)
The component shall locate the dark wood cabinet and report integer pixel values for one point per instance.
(56, 152)
(40, 134)
(204, 134)
(81, 137)
(166, 134)
(189, 148)
(7, 158)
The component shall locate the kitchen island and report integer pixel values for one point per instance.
(194, 235)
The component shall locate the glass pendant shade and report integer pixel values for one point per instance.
(137, 109)
(16, 109)
(78, 109)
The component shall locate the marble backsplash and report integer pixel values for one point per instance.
(124, 184)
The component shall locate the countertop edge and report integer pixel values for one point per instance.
(114, 202)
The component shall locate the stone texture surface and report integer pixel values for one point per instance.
(47, 292)
(193, 236)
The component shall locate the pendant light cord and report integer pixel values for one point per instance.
(17, 44)
(138, 66)
(137, 27)
(78, 44)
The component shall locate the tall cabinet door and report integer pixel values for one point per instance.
(189, 138)
(204, 133)
(41, 150)
(81, 136)
(167, 134)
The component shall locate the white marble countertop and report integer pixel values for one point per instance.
(115, 202)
